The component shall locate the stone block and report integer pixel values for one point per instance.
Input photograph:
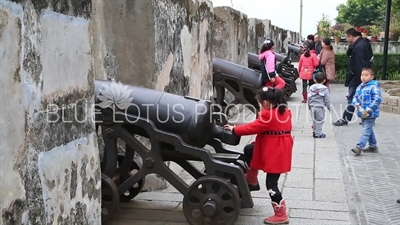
(393, 100)
(328, 170)
(300, 178)
(396, 109)
(385, 98)
(325, 215)
(303, 160)
(386, 108)
(330, 190)
(69, 180)
(318, 205)
(326, 154)
(302, 145)
(297, 193)
(66, 54)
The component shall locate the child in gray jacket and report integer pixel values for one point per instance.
(318, 97)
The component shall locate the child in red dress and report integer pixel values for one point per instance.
(272, 148)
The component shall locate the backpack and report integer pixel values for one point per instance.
(264, 74)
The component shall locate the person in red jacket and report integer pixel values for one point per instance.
(307, 64)
(272, 152)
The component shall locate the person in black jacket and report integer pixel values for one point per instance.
(360, 52)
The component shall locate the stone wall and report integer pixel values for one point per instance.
(390, 103)
(261, 29)
(377, 47)
(48, 153)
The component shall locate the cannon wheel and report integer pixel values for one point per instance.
(211, 198)
(137, 188)
(109, 198)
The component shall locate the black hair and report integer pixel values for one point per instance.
(353, 32)
(327, 41)
(320, 77)
(369, 70)
(268, 44)
(310, 46)
(273, 96)
(310, 37)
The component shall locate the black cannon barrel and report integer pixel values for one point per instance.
(295, 49)
(244, 74)
(254, 62)
(188, 117)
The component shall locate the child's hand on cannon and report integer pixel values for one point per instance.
(357, 105)
(229, 127)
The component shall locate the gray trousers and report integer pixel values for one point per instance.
(318, 117)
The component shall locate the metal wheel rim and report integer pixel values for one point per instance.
(137, 188)
(109, 197)
(218, 189)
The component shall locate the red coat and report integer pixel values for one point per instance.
(272, 153)
(279, 83)
(307, 65)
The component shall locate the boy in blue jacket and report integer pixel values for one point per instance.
(367, 99)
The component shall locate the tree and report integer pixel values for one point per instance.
(361, 12)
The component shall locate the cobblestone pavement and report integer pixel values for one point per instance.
(372, 180)
(314, 189)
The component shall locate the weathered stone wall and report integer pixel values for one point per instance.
(390, 103)
(377, 47)
(160, 44)
(261, 29)
(230, 33)
(48, 153)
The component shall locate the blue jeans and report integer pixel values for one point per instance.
(349, 111)
(367, 134)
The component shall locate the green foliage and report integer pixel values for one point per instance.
(324, 26)
(361, 12)
(342, 61)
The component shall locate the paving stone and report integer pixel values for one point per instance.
(148, 215)
(149, 205)
(300, 178)
(328, 170)
(330, 190)
(297, 193)
(299, 221)
(302, 145)
(318, 205)
(302, 160)
(319, 214)
(326, 155)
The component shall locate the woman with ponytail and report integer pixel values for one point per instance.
(327, 59)
(272, 150)
(307, 64)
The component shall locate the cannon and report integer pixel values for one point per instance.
(178, 128)
(284, 68)
(241, 81)
(295, 50)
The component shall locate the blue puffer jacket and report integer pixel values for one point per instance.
(369, 97)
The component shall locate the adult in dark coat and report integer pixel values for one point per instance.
(360, 52)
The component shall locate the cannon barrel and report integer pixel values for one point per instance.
(237, 72)
(188, 117)
(254, 62)
(295, 49)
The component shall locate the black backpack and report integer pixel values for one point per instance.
(264, 75)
